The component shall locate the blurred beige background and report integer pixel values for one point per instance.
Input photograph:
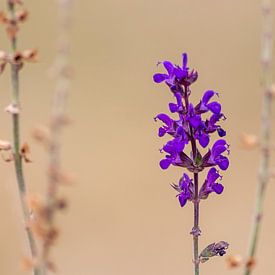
(123, 216)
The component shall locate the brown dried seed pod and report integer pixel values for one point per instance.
(2, 67)
(3, 56)
(25, 151)
(12, 109)
(21, 16)
(3, 18)
(61, 203)
(249, 141)
(42, 134)
(7, 158)
(51, 266)
(18, 2)
(11, 31)
(27, 264)
(30, 55)
(272, 90)
(250, 263)
(52, 235)
(17, 58)
(234, 261)
(5, 145)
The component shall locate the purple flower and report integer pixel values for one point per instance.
(175, 155)
(185, 189)
(193, 125)
(169, 77)
(205, 106)
(215, 157)
(210, 185)
(213, 249)
(176, 75)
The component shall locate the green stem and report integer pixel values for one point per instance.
(16, 147)
(196, 229)
(266, 56)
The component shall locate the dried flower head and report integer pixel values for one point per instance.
(250, 263)
(234, 261)
(249, 141)
(5, 145)
(25, 152)
(21, 16)
(12, 109)
(27, 264)
(30, 55)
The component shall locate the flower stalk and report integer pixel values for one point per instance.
(191, 127)
(57, 121)
(196, 230)
(264, 167)
(15, 67)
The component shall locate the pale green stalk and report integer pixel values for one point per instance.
(16, 145)
(264, 169)
(58, 117)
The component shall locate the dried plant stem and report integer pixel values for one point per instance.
(16, 145)
(264, 169)
(58, 119)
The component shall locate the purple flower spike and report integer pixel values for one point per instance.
(192, 124)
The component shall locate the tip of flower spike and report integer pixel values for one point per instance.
(184, 60)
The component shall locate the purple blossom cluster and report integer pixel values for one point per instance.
(194, 125)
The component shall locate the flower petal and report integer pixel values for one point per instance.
(162, 132)
(165, 119)
(223, 162)
(195, 121)
(221, 132)
(182, 199)
(207, 96)
(158, 78)
(173, 107)
(169, 67)
(184, 60)
(165, 163)
(204, 140)
(214, 107)
(218, 188)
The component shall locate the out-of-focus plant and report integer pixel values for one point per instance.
(39, 213)
(62, 72)
(16, 151)
(264, 141)
(193, 126)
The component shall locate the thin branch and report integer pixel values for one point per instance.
(58, 120)
(264, 168)
(16, 141)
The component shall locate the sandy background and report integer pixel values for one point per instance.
(123, 216)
